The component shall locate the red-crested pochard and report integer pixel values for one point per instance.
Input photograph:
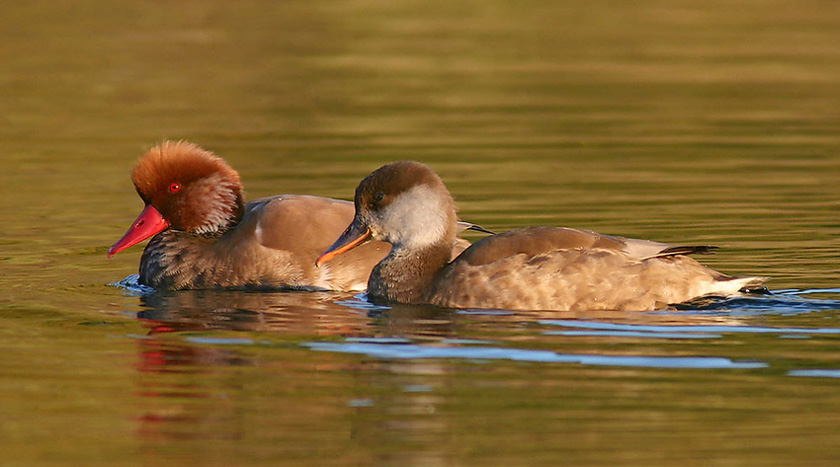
(205, 236)
(535, 268)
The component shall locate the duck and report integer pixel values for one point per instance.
(205, 236)
(407, 205)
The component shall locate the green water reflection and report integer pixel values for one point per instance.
(707, 123)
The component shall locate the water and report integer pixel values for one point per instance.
(712, 123)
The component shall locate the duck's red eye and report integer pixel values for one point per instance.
(173, 188)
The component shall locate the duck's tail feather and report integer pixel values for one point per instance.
(686, 250)
(462, 226)
(744, 284)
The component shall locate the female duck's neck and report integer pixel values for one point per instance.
(405, 274)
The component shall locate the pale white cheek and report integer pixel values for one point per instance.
(221, 203)
(418, 217)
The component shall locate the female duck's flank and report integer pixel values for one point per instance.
(537, 268)
(205, 236)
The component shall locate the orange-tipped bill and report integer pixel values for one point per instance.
(355, 235)
(150, 222)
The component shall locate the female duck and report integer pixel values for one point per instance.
(205, 236)
(536, 268)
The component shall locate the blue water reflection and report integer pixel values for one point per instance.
(411, 351)
(816, 373)
(653, 330)
(651, 335)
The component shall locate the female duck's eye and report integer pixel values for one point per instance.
(379, 197)
(173, 188)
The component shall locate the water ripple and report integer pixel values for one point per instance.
(132, 286)
(723, 329)
(653, 335)
(815, 373)
(789, 301)
(361, 302)
(220, 340)
(412, 351)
